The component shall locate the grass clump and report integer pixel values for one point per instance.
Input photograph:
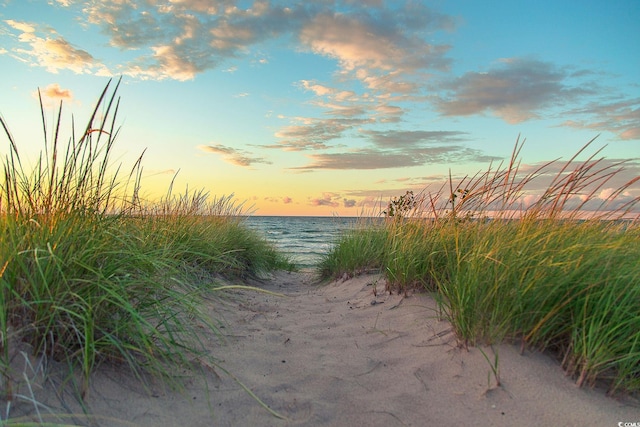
(91, 273)
(359, 249)
(560, 273)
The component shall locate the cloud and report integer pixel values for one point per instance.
(180, 39)
(620, 117)
(396, 149)
(54, 91)
(396, 138)
(336, 102)
(132, 25)
(232, 155)
(318, 89)
(385, 49)
(521, 89)
(632, 133)
(393, 82)
(373, 158)
(361, 159)
(52, 51)
(377, 38)
(327, 199)
(310, 133)
(382, 48)
(516, 91)
(52, 95)
(28, 30)
(348, 110)
(343, 110)
(284, 200)
(349, 203)
(348, 104)
(383, 58)
(183, 38)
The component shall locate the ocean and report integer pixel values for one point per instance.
(304, 239)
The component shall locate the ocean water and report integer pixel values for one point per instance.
(304, 239)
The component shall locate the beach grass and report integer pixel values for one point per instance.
(356, 251)
(91, 273)
(560, 273)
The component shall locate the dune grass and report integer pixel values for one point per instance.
(560, 274)
(90, 273)
(356, 251)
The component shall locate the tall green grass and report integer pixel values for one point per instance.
(91, 273)
(560, 274)
(356, 251)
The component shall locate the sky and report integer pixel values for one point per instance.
(323, 107)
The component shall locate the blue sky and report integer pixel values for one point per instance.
(324, 107)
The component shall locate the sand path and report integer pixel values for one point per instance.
(329, 356)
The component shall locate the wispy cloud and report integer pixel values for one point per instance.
(308, 133)
(233, 156)
(403, 139)
(48, 49)
(516, 90)
(374, 158)
(396, 149)
(621, 117)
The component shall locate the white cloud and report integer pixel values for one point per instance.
(233, 156)
(55, 91)
(53, 53)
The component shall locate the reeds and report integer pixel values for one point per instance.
(91, 273)
(559, 273)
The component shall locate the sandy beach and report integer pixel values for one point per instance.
(338, 355)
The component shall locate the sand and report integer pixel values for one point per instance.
(336, 355)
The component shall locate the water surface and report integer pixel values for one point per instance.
(304, 239)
